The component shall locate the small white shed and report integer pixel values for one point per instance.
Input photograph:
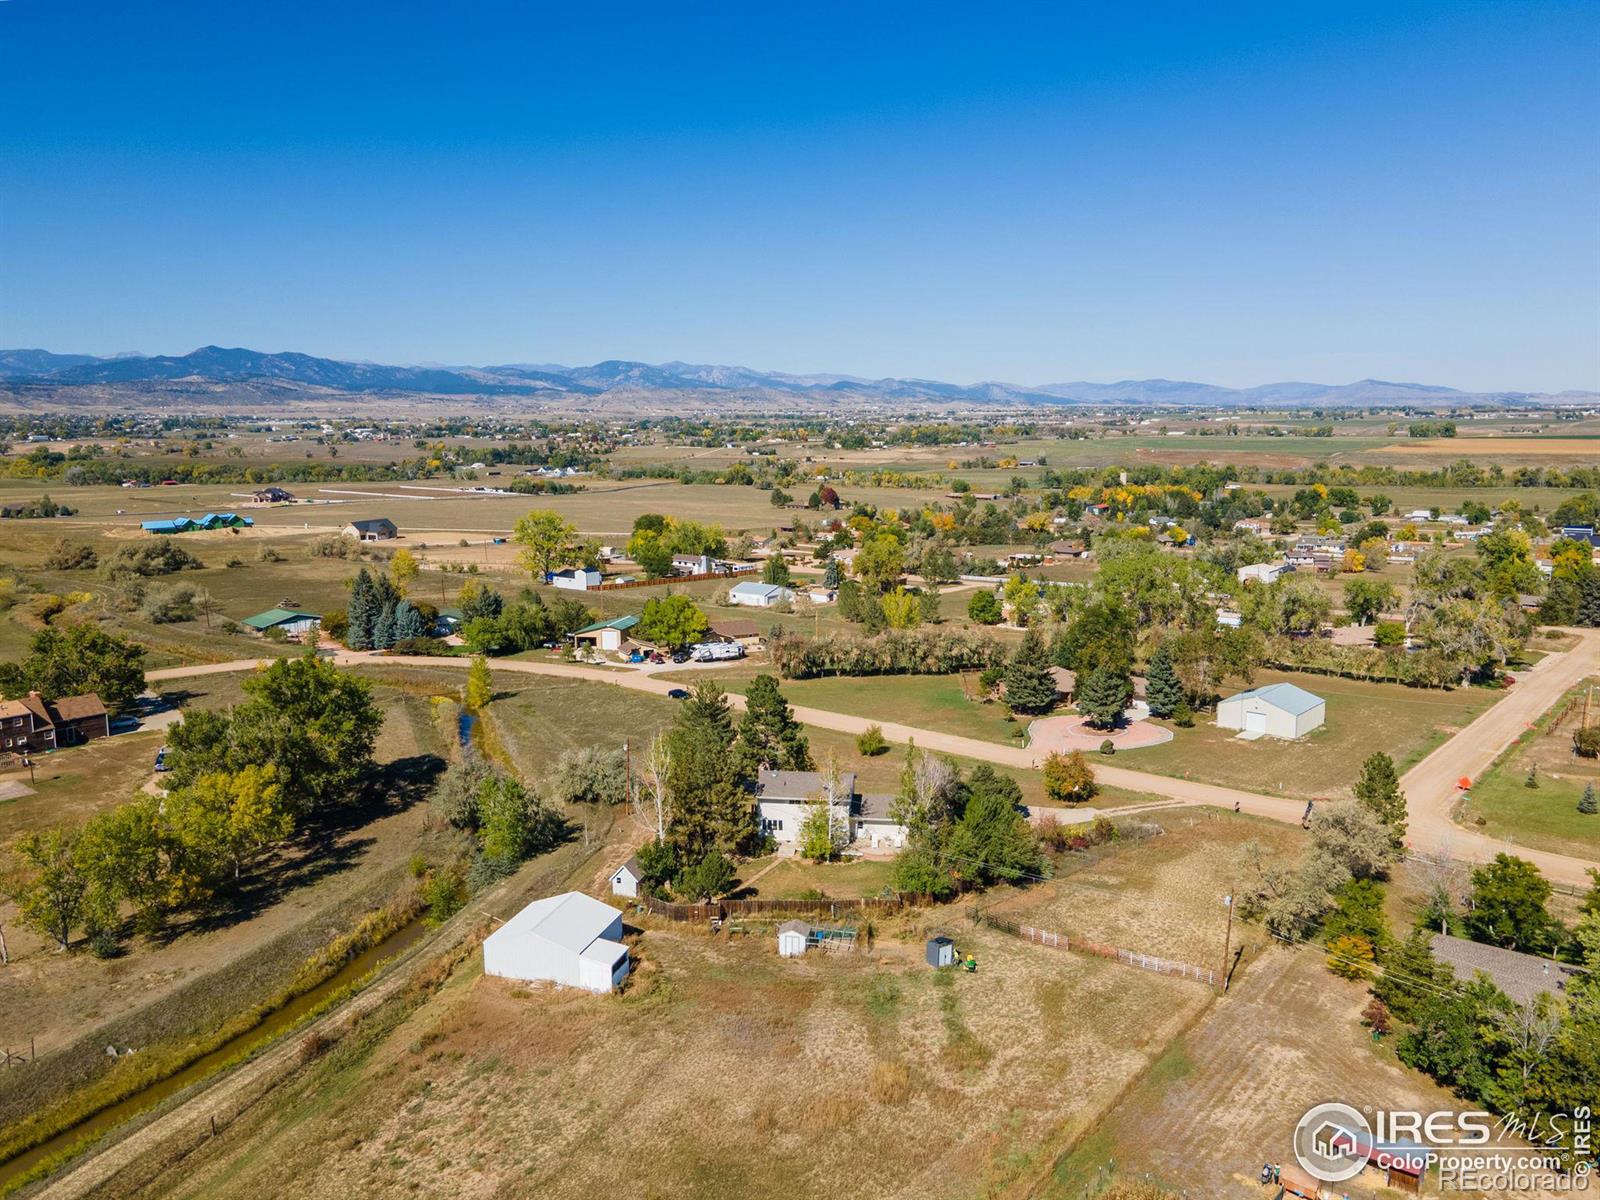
(792, 937)
(625, 880)
(1279, 710)
(570, 939)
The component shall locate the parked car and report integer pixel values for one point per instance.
(681, 655)
(678, 694)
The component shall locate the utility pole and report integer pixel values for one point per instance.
(1227, 939)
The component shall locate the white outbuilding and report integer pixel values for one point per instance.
(792, 937)
(625, 880)
(759, 595)
(1278, 710)
(570, 939)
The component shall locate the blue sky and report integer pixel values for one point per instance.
(1030, 193)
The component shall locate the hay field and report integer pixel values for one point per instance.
(721, 1072)
(1162, 895)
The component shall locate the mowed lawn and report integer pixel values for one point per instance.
(1406, 723)
(1545, 817)
(789, 878)
(923, 701)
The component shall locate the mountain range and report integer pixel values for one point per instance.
(32, 369)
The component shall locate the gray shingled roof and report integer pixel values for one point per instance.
(875, 806)
(1520, 976)
(799, 785)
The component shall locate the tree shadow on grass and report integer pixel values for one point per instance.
(328, 844)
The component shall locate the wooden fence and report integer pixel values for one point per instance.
(718, 910)
(634, 583)
(1077, 945)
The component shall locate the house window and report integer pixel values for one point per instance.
(771, 825)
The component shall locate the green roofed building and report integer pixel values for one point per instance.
(606, 635)
(293, 621)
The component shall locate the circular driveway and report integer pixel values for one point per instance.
(1069, 733)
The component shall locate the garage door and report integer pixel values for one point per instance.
(1255, 722)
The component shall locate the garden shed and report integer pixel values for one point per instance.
(625, 880)
(941, 952)
(1279, 710)
(792, 938)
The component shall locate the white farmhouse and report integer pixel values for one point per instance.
(759, 595)
(570, 939)
(1279, 710)
(784, 800)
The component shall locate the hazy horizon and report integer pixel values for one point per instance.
(1234, 197)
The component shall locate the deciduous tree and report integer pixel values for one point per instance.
(548, 542)
(1068, 778)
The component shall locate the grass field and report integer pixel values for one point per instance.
(925, 701)
(1545, 817)
(55, 997)
(789, 878)
(1362, 717)
(1225, 1096)
(730, 1072)
(1159, 895)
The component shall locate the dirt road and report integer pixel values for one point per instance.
(1429, 786)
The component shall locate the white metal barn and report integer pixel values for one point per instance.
(570, 939)
(759, 595)
(1278, 710)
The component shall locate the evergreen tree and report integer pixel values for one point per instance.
(833, 574)
(1030, 688)
(362, 612)
(1411, 975)
(993, 841)
(768, 733)
(711, 802)
(407, 621)
(1103, 697)
(1358, 913)
(1163, 690)
(383, 629)
(984, 608)
(1587, 803)
(1379, 789)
